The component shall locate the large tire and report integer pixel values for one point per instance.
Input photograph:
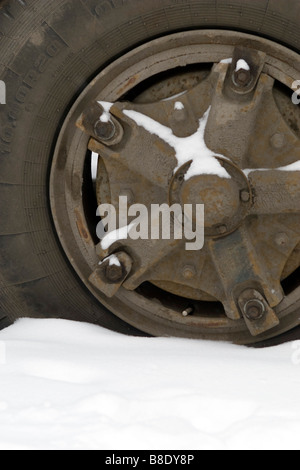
(49, 51)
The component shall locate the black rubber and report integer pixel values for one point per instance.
(49, 51)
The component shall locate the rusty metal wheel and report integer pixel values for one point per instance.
(163, 62)
(243, 286)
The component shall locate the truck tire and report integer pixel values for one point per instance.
(50, 54)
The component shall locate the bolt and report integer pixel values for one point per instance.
(114, 273)
(282, 239)
(278, 141)
(222, 229)
(242, 78)
(104, 130)
(254, 309)
(187, 312)
(189, 272)
(245, 195)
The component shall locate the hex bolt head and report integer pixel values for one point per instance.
(254, 309)
(242, 78)
(278, 141)
(114, 273)
(104, 130)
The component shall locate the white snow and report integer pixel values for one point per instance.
(105, 116)
(68, 385)
(292, 167)
(186, 148)
(242, 65)
(178, 106)
(112, 261)
(226, 61)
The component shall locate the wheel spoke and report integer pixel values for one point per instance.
(276, 191)
(178, 115)
(146, 253)
(235, 110)
(240, 268)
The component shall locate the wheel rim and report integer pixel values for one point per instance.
(125, 78)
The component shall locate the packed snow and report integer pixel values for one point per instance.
(226, 61)
(241, 65)
(292, 167)
(192, 148)
(178, 106)
(105, 116)
(66, 385)
(113, 260)
(288, 168)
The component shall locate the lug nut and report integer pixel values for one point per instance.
(111, 273)
(254, 309)
(242, 77)
(114, 273)
(104, 130)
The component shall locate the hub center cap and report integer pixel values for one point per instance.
(226, 200)
(219, 196)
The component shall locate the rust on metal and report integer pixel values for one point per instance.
(234, 263)
(128, 85)
(111, 273)
(258, 315)
(82, 227)
(252, 229)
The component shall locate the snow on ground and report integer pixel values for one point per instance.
(67, 385)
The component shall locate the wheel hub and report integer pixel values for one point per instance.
(220, 198)
(246, 213)
(223, 184)
(226, 200)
